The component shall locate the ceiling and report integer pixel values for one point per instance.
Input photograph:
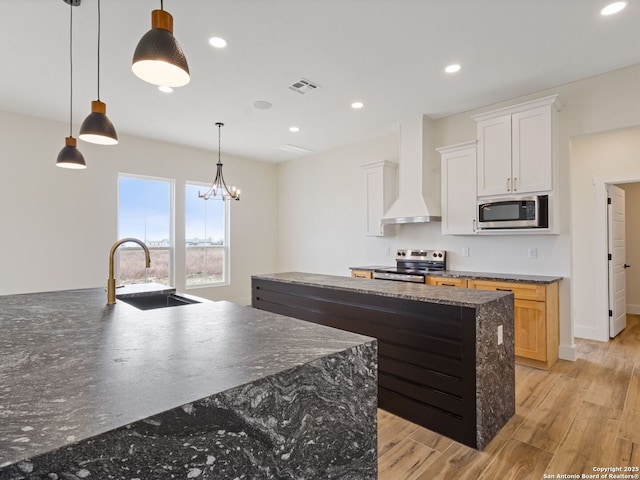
(389, 54)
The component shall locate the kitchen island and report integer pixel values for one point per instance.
(446, 356)
(209, 390)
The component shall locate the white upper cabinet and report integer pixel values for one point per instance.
(516, 149)
(494, 156)
(380, 180)
(458, 189)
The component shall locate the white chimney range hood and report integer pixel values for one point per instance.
(418, 176)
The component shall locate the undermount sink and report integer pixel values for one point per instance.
(157, 300)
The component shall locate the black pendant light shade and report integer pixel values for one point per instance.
(158, 58)
(97, 128)
(70, 156)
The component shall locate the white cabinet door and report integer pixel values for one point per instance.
(494, 156)
(532, 156)
(380, 192)
(459, 189)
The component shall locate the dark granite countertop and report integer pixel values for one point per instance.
(411, 291)
(72, 367)
(371, 268)
(507, 277)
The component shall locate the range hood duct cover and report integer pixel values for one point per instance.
(418, 176)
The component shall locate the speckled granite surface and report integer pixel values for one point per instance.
(78, 377)
(495, 369)
(507, 277)
(411, 291)
(486, 371)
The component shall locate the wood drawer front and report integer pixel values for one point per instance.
(521, 291)
(362, 274)
(447, 282)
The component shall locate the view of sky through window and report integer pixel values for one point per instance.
(204, 219)
(144, 210)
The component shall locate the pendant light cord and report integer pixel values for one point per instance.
(219, 128)
(71, 69)
(99, 22)
(161, 4)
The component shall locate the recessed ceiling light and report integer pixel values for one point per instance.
(217, 42)
(262, 105)
(612, 8)
(357, 105)
(294, 129)
(453, 68)
(165, 89)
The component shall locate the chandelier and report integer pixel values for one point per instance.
(219, 189)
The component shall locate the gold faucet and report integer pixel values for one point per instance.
(111, 282)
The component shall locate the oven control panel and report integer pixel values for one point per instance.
(421, 255)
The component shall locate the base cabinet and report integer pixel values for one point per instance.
(536, 317)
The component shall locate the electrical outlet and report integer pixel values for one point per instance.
(500, 335)
(532, 253)
(387, 251)
(465, 251)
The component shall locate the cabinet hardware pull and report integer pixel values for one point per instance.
(515, 184)
(508, 184)
(474, 225)
(504, 289)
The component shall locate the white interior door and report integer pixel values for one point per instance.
(617, 280)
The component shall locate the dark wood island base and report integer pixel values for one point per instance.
(439, 365)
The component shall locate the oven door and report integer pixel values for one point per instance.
(520, 212)
(399, 277)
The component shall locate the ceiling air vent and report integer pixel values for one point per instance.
(295, 149)
(304, 86)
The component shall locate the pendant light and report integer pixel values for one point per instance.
(97, 128)
(158, 58)
(70, 156)
(219, 189)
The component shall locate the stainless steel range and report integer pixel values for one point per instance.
(413, 265)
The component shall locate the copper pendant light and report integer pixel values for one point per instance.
(97, 128)
(70, 156)
(158, 58)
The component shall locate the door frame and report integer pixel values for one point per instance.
(601, 249)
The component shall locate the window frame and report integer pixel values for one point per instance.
(172, 220)
(226, 247)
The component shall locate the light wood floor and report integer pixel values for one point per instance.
(577, 416)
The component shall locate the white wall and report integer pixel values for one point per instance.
(310, 240)
(608, 157)
(632, 245)
(58, 225)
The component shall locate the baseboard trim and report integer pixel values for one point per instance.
(633, 309)
(590, 333)
(567, 352)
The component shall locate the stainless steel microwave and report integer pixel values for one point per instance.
(514, 212)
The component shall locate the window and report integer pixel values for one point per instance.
(145, 213)
(206, 239)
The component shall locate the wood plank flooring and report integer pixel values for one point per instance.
(577, 416)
